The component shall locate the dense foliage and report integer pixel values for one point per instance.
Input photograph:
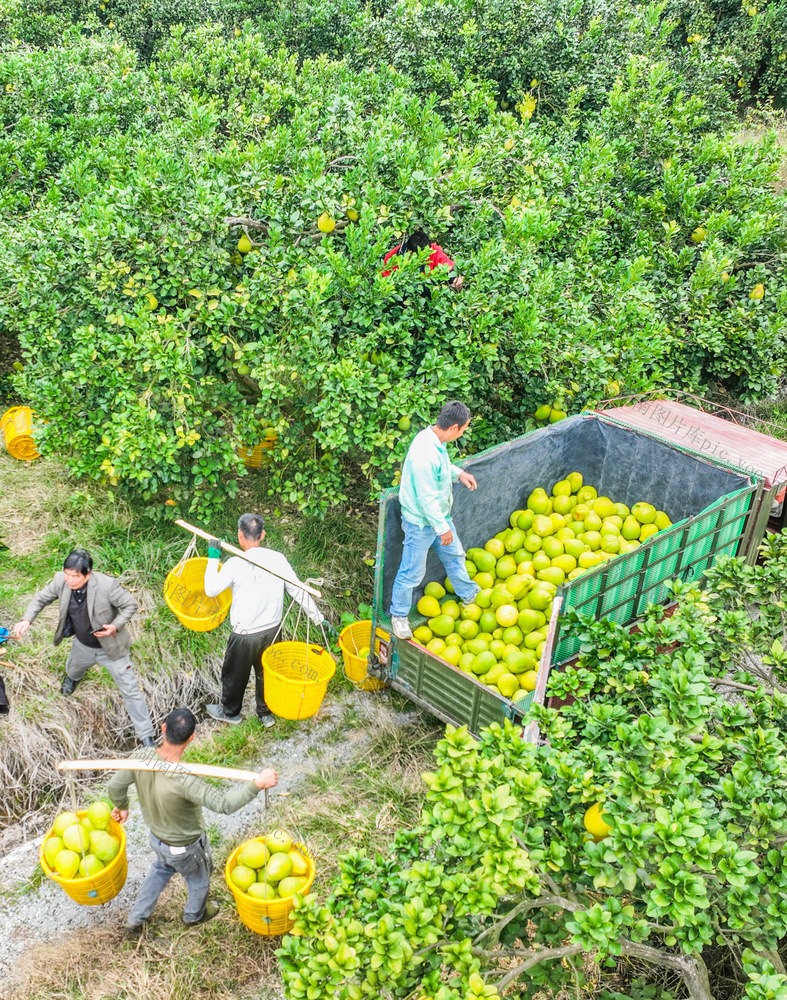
(576, 163)
(683, 747)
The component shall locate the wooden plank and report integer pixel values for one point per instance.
(165, 766)
(242, 555)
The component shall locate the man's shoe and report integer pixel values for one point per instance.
(211, 909)
(400, 626)
(148, 741)
(67, 685)
(134, 930)
(218, 713)
(267, 719)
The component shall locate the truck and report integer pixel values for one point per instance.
(721, 480)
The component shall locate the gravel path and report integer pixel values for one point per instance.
(30, 917)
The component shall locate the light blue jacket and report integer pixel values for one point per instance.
(427, 487)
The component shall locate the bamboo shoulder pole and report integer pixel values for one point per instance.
(168, 767)
(233, 550)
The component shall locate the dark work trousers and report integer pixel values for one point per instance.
(3, 699)
(244, 652)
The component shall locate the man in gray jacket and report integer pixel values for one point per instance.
(94, 609)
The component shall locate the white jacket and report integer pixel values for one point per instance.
(257, 596)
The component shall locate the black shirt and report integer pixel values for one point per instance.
(80, 620)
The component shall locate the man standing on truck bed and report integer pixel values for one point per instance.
(426, 496)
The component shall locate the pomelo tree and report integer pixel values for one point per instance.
(174, 293)
(678, 754)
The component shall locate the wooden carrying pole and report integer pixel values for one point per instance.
(242, 555)
(169, 767)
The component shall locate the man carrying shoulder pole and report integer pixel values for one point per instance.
(256, 614)
(171, 803)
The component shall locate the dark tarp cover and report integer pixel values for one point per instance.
(622, 464)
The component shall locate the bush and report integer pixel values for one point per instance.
(507, 879)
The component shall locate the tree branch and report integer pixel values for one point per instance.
(542, 955)
(523, 907)
(244, 220)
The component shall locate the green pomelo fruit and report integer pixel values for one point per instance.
(106, 847)
(442, 625)
(562, 505)
(592, 539)
(289, 886)
(63, 821)
(525, 520)
(477, 645)
(262, 890)
(553, 574)
(631, 528)
(484, 661)
(507, 684)
(565, 562)
(279, 867)
(467, 629)
(242, 876)
(495, 548)
(90, 866)
(67, 863)
(539, 502)
(487, 622)
(505, 567)
(542, 526)
(52, 847)
(450, 608)
(574, 547)
(300, 865)
(99, 814)
(515, 540)
(434, 589)
(76, 838)
(513, 635)
(552, 547)
(528, 620)
(254, 854)
(517, 585)
(575, 481)
(645, 513)
(484, 561)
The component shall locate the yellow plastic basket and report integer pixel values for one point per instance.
(186, 598)
(296, 677)
(270, 917)
(16, 425)
(353, 638)
(97, 888)
(259, 455)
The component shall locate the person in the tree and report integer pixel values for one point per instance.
(437, 257)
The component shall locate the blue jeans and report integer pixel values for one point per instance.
(417, 542)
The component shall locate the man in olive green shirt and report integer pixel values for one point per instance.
(172, 803)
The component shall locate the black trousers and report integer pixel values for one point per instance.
(3, 699)
(243, 653)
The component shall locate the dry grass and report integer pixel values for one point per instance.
(362, 805)
(220, 961)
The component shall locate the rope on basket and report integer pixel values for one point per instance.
(190, 553)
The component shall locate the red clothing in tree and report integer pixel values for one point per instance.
(437, 257)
